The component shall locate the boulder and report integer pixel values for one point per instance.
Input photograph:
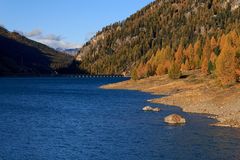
(174, 119)
(148, 108)
(156, 109)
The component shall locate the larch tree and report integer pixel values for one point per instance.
(206, 57)
(163, 61)
(197, 54)
(189, 57)
(141, 71)
(213, 44)
(174, 71)
(226, 63)
(179, 57)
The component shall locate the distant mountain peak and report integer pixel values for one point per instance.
(70, 51)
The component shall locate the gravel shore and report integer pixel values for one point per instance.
(194, 93)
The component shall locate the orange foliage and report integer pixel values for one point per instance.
(226, 65)
(213, 44)
(226, 62)
(197, 54)
(179, 55)
(206, 57)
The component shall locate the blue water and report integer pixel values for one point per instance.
(72, 119)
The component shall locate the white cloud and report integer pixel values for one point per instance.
(34, 33)
(54, 41)
(58, 44)
(53, 37)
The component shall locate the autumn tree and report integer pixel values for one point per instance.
(149, 70)
(162, 60)
(134, 75)
(189, 58)
(179, 57)
(140, 71)
(213, 44)
(235, 41)
(238, 66)
(174, 71)
(226, 63)
(206, 57)
(197, 54)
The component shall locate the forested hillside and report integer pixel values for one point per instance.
(169, 37)
(19, 55)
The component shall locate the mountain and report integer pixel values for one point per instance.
(121, 47)
(20, 56)
(70, 51)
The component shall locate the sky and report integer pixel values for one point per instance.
(64, 23)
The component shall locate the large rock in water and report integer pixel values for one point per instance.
(174, 119)
(148, 108)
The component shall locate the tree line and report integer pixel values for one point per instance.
(217, 56)
(159, 30)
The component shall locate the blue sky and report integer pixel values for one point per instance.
(64, 23)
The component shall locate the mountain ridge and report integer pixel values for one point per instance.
(22, 56)
(120, 47)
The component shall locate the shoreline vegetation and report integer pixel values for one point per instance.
(194, 93)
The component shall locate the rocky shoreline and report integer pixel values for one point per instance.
(195, 93)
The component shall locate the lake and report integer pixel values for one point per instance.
(69, 118)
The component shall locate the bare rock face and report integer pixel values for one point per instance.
(151, 109)
(175, 119)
